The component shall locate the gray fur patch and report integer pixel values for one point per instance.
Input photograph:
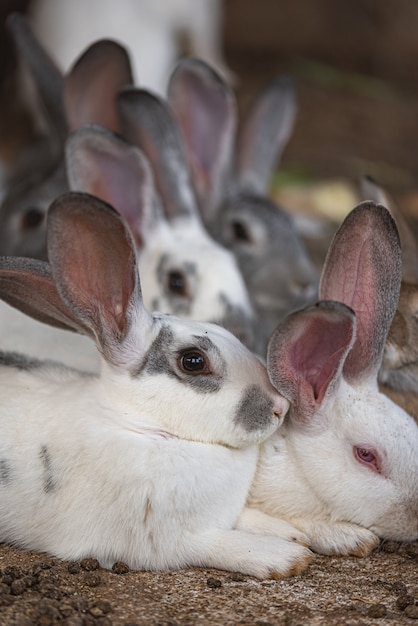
(49, 480)
(255, 409)
(19, 361)
(5, 472)
(236, 321)
(157, 361)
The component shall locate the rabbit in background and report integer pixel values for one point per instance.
(231, 175)
(398, 374)
(167, 432)
(151, 30)
(343, 468)
(86, 94)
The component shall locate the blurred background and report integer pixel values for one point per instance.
(355, 63)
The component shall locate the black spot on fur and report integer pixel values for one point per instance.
(19, 361)
(255, 409)
(5, 472)
(49, 482)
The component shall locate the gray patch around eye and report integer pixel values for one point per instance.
(19, 361)
(49, 482)
(5, 472)
(255, 409)
(179, 305)
(157, 362)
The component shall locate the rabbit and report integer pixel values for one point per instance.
(185, 272)
(343, 468)
(84, 95)
(207, 279)
(399, 369)
(150, 461)
(151, 29)
(232, 183)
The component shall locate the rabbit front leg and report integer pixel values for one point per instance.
(251, 554)
(254, 521)
(337, 538)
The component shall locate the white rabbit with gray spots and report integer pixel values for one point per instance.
(344, 466)
(232, 183)
(150, 461)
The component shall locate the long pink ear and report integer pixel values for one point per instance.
(363, 269)
(93, 82)
(149, 124)
(93, 262)
(104, 165)
(306, 354)
(27, 285)
(205, 109)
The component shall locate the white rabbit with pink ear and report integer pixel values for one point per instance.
(150, 461)
(232, 173)
(344, 466)
(185, 272)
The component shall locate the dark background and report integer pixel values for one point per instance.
(355, 63)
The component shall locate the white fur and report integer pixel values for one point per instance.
(148, 462)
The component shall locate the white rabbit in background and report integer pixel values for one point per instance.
(151, 30)
(344, 466)
(149, 462)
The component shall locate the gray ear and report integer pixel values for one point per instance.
(94, 266)
(205, 109)
(371, 190)
(104, 165)
(363, 269)
(306, 354)
(92, 83)
(147, 122)
(27, 285)
(48, 79)
(264, 134)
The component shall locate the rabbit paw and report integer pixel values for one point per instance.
(341, 538)
(255, 521)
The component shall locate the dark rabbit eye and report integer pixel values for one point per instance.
(32, 218)
(177, 283)
(240, 232)
(194, 362)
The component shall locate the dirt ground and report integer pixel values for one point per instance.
(381, 589)
(355, 65)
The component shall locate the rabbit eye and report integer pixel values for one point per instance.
(368, 457)
(32, 218)
(177, 283)
(194, 362)
(240, 232)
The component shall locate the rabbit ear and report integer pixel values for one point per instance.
(264, 134)
(49, 80)
(147, 122)
(306, 354)
(105, 166)
(372, 191)
(94, 265)
(27, 285)
(205, 109)
(93, 82)
(363, 270)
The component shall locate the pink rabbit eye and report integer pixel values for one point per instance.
(369, 457)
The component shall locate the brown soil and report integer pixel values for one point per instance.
(381, 589)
